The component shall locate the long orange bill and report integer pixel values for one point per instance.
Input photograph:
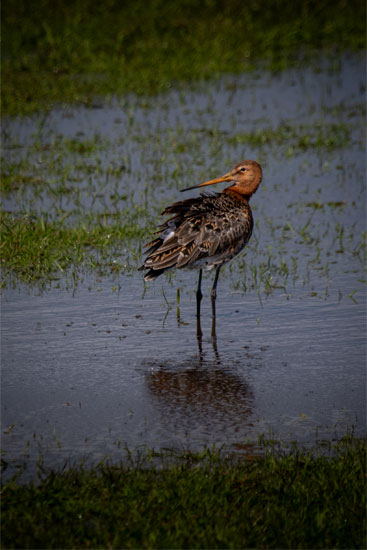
(226, 177)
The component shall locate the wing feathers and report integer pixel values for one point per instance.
(209, 227)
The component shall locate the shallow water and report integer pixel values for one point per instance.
(104, 363)
(96, 371)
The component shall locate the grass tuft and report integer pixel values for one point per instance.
(36, 248)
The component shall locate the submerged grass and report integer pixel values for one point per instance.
(301, 499)
(329, 136)
(73, 51)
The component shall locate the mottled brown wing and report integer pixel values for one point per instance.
(209, 227)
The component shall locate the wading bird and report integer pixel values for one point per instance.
(206, 231)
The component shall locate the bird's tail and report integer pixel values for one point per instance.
(152, 274)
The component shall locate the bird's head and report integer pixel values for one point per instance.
(245, 177)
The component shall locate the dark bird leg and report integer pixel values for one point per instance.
(198, 294)
(198, 301)
(214, 334)
(213, 294)
(178, 308)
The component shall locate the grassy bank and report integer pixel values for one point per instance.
(298, 500)
(56, 51)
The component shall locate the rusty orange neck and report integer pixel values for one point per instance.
(238, 192)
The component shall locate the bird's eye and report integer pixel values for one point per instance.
(243, 169)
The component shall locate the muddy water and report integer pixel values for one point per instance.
(108, 363)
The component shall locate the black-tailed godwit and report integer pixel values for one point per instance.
(207, 231)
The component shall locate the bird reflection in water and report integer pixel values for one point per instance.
(201, 393)
(199, 336)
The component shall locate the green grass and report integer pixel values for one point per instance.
(295, 500)
(36, 248)
(56, 51)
